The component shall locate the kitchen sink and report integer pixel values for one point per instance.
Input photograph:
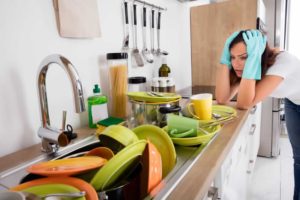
(186, 156)
(13, 176)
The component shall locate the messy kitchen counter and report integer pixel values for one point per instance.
(192, 182)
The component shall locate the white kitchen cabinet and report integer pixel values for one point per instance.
(254, 137)
(234, 176)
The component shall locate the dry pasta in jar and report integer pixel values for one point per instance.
(117, 63)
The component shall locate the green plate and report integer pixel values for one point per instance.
(201, 138)
(145, 97)
(162, 142)
(117, 165)
(53, 188)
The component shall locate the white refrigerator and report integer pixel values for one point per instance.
(275, 20)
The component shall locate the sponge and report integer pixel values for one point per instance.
(110, 121)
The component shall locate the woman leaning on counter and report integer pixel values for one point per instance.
(254, 71)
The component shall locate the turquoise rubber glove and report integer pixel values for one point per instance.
(225, 58)
(256, 44)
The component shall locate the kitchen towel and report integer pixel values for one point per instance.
(77, 18)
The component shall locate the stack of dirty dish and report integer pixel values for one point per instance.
(124, 162)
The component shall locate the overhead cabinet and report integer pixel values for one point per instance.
(210, 26)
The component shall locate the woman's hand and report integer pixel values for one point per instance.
(256, 44)
(225, 58)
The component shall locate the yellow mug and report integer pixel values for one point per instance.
(202, 104)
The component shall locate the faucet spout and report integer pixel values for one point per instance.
(45, 131)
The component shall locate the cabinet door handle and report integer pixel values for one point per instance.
(251, 163)
(213, 193)
(253, 110)
(252, 129)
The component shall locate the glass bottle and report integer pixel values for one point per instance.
(164, 69)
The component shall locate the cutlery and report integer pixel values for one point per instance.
(159, 51)
(126, 38)
(153, 51)
(157, 94)
(217, 122)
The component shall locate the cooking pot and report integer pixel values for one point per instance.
(151, 113)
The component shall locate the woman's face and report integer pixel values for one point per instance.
(238, 54)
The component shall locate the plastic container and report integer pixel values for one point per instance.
(137, 84)
(97, 107)
(118, 79)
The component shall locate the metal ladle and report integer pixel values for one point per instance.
(145, 52)
(159, 51)
(153, 51)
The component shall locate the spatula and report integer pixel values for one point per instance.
(135, 52)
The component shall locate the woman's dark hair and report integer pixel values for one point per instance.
(267, 59)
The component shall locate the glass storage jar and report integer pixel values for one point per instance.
(137, 84)
(117, 63)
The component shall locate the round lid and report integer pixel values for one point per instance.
(111, 56)
(96, 88)
(137, 80)
(172, 109)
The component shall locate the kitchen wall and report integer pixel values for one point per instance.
(28, 34)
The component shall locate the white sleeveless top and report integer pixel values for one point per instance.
(287, 66)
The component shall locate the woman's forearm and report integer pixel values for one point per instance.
(246, 94)
(223, 92)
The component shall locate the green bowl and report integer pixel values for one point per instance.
(201, 137)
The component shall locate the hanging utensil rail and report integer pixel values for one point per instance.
(150, 4)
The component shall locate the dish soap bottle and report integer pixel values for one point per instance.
(97, 107)
(164, 70)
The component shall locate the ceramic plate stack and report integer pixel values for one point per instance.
(162, 142)
(118, 166)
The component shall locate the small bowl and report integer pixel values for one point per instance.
(103, 152)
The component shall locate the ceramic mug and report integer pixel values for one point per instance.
(179, 126)
(202, 106)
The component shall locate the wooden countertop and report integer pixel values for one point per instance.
(197, 181)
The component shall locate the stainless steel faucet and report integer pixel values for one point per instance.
(53, 138)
